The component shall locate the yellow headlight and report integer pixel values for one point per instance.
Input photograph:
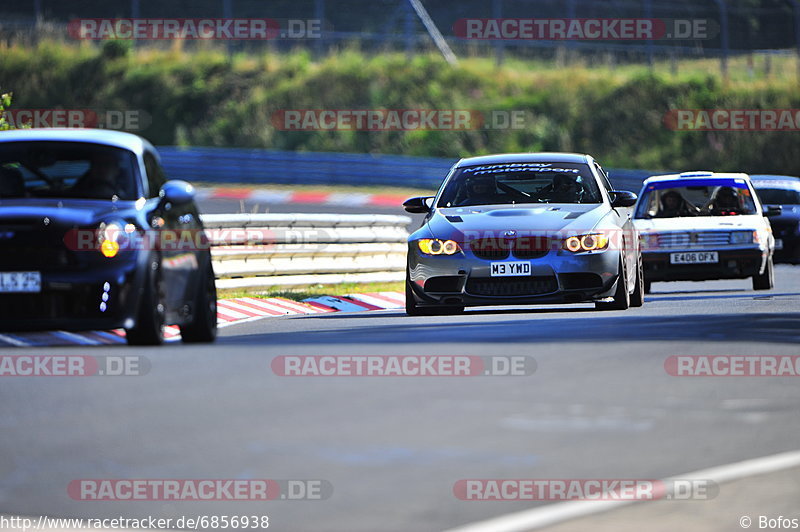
(109, 248)
(588, 242)
(449, 247)
(425, 245)
(432, 246)
(108, 236)
(573, 244)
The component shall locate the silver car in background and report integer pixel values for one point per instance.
(520, 229)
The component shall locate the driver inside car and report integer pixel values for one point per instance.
(100, 182)
(726, 203)
(673, 205)
(482, 189)
(565, 189)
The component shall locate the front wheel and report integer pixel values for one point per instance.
(203, 328)
(621, 298)
(149, 327)
(766, 280)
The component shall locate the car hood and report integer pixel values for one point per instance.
(466, 223)
(700, 223)
(62, 211)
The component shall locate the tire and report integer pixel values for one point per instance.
(149, 327)
(203, 328)
(622, 299)
(637, 297)
(766, 280)
(413, 309)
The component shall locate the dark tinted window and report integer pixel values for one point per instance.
(514, 183)
(66, 170)
(778, 196)
(155, 174)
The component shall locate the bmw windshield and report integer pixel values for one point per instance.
(512, 183)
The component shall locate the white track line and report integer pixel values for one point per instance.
(558, 513)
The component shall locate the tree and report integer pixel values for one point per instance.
(5, 103)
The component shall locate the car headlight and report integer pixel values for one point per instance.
(744, 237)
(648, 240)
(588, 242)
(433, 246)
(113, 236)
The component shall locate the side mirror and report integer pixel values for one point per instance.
(419, 205)
(176, 192)
(623, 198)
(773, 210)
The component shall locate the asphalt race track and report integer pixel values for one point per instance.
(600, 405)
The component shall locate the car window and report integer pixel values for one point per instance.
(603, 177)
(778, 196)
(155, 174)
(678, 199)
(66, 170)
(514, 183)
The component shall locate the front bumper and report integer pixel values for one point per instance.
(557, 277)
(75, 301)
(736, 263)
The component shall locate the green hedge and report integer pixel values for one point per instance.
(208, 98)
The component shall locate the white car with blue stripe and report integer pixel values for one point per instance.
(699, 226)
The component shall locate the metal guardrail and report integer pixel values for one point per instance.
(262, 250)
(251, 166)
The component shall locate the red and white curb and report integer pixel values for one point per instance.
(273, 196)
(229, 312)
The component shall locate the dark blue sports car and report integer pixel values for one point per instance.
(93, 236)
(782, 191)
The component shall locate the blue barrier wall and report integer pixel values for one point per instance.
(233, 165)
